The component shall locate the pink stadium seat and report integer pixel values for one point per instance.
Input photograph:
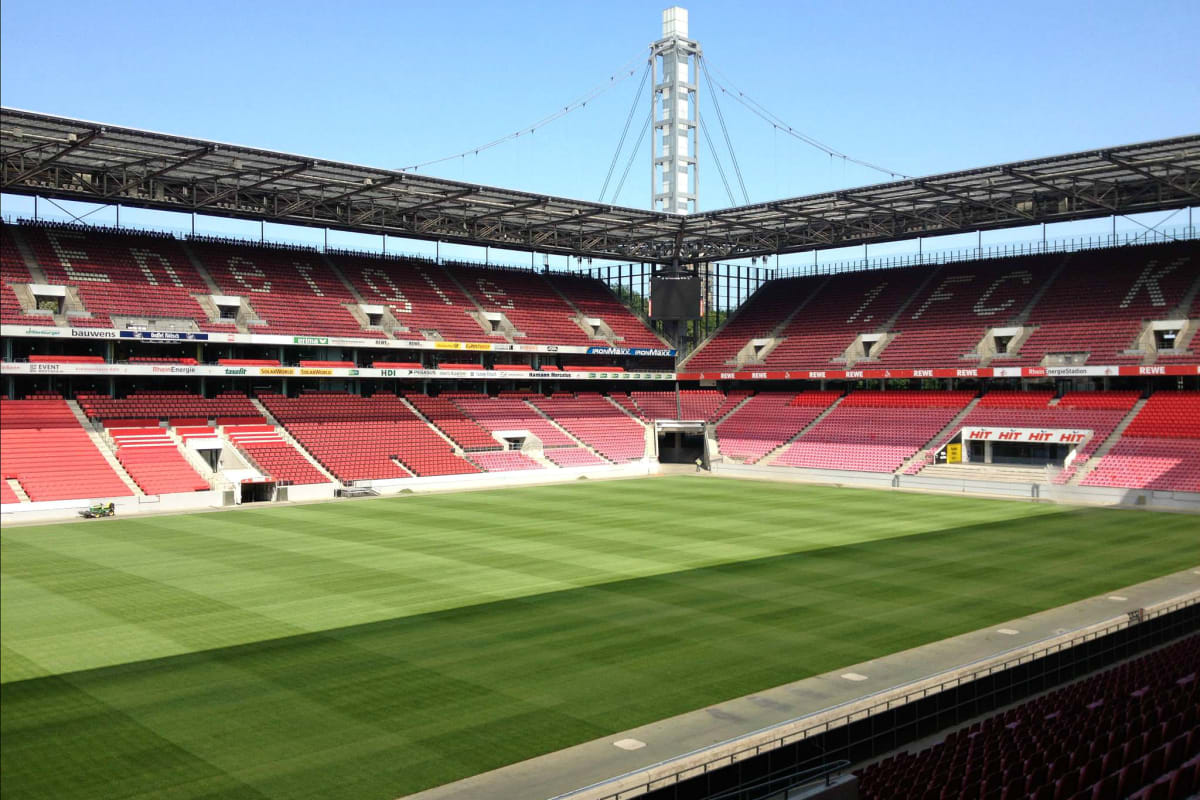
(767, 420)
(43, 447)
(596, 422)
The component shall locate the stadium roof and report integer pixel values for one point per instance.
(71, 159)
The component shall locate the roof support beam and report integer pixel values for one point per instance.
(45, 164)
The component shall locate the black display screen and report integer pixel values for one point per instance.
(675, 296)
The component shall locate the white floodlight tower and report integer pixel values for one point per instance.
(675, 138)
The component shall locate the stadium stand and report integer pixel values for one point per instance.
(365, 438)
(1099, 302)
(166, 404)
(596, 300)
(419, 294)
(291, 290)
(527, 300)
(597, 423)
(1129, 732)
(43, 447)
(767, 420)
(450, 420)
(874, 431)
(153, 461)
(1091, 303)
(656, 405)
(1160, 449)
(574, 457)
(14, 271)
(123, 273)
(510, 414)
(273, 456)
(504, 460)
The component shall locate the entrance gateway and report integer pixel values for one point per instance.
(681, 441)
(1035, 447)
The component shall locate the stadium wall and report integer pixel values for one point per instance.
(1043, 492)
(495, 480)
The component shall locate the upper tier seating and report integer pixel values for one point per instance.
(450, 420)
(299, 291)
(156, 405)
(419, 294)
(527, 300)
(1096, 305)
(362, 438)
(13, 270)
(510, 414)
(949, 317)
(272, 454)
(129, 274)
(292, 291)
(1128, 732)
(874, 431)
(595, 299)
(767, 420)
(152, 459)
(44, 448)
(597, 423)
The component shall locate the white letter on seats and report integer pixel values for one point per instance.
(939, 295)
(240, 273)
(305, 271)
(65, 256)
(396, 296)
(437, 289)
(982, 308)
(142, 257)
(1150, 281)
(492, 293)
(869, 297)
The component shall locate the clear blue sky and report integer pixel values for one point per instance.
(922, 87)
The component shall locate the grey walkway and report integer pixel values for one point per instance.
(585, 771)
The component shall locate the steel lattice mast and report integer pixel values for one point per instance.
(675, 140)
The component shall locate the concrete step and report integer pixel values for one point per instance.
(105, 447)
(18, 490)
(998, 473)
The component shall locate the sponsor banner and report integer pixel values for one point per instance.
(21, 368)
(316, 341)
(631, 351)
(1034, 435)
(956, 372)
(164, 336)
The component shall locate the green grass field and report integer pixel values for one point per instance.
(374, 648)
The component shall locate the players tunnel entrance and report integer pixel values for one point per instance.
(680, 442)
(258, 492)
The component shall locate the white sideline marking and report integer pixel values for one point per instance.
(1117, 597)
(1008, 631)
(1196, 572)
(629, 744)
(854, 676)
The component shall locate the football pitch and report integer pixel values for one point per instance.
(370, 649)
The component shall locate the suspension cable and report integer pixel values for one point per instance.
(761, 111)
(717, 161)
(629, 119)
(632, 155)
(724, 130)
(617, 77)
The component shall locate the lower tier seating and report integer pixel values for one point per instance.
(44, 448)
(152, 459)
(1129, 732)
(510, 414)
(1161, 464)
(504, 460)
(767, 420)
(874, 431)
(574, 457)
(597, 423)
